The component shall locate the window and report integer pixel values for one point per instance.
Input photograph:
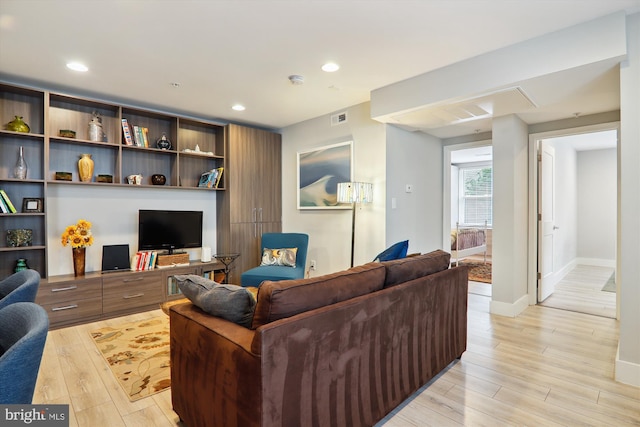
(476, 195)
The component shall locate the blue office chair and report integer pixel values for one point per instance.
(19, 287)
(22, 337)
(257, 275)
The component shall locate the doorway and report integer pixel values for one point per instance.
(468, 210)
(576, 220)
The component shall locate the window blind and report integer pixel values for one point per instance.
(476, 201)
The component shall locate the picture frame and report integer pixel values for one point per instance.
(32, 205)
(319, 172)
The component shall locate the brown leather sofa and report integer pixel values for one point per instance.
(343, 349)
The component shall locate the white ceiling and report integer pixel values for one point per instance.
(223, 52)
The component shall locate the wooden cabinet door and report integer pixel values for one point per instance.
(244, 241)
(240, 186)
(268, 195)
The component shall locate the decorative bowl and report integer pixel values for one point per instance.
(158, 179)
(66, 133)
(19, 237)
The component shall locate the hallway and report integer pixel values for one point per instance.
(581, 291)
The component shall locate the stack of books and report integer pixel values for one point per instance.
(144, 260)
(5, 203)
(135, 135)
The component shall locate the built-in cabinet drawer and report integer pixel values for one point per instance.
(70, 290)
(73, 311)
(130, 291)
(68, 301)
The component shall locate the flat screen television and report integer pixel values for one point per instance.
(169, 230)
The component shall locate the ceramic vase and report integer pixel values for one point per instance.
(163, 143)
(85, 168)
(21, 264)
(78, 261)
(95, 131)
(20, 170)
(17, 125)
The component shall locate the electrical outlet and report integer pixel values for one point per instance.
(312, 264)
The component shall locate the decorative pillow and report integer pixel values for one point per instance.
(283, 256)
(395, 251)
(231, 302)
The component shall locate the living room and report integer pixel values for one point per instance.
(392, 155)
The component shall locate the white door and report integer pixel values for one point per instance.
(546, 217)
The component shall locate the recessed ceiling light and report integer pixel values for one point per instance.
(330, 67)
(76, 66)
(238, 107)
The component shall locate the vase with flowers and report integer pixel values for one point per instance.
(78, 236)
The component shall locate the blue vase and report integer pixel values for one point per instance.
(21, 264)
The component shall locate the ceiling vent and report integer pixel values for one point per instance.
(338, 119)
(494, 104)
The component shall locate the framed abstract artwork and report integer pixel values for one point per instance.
(319, 172)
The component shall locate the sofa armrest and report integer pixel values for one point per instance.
(215, 378)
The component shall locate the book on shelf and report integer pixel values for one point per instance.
(218, 176)
(7, 201)
(208, 179)
(145, 136)
(141, 136)
(136, 140)
(126, 132)
(144, 260)
(3, 206)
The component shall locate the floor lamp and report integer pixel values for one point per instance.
(354, 193)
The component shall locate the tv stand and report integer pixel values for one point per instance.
(73, 300)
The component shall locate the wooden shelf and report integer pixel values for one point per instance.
(46, 152)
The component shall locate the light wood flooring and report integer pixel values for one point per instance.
(546, 367)
(581, 290)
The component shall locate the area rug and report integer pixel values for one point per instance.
(138, 355)
(479, 272)
(610, 286)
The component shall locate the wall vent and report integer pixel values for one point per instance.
(338, 119)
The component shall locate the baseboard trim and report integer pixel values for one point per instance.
(627, 372)
(509, 309)
(597, 262)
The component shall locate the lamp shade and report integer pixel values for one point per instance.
(355, 192)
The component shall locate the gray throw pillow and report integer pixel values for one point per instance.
(231, 302)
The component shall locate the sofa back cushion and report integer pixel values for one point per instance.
(405, 269)
(285, 298)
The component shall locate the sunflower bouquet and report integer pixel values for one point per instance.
(78, 235)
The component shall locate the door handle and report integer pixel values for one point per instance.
(556, 227)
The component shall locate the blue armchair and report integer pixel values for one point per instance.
(19, 287)
(255, 276)
(22, 338)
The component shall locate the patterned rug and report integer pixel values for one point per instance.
(138, 355)
(479, 272)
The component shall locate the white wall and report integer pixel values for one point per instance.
(415, 159)
(628, 357)
(566, 212)
(330, 230)
(510, 214)
(113, 213)
(597, 205)
(455, 195)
